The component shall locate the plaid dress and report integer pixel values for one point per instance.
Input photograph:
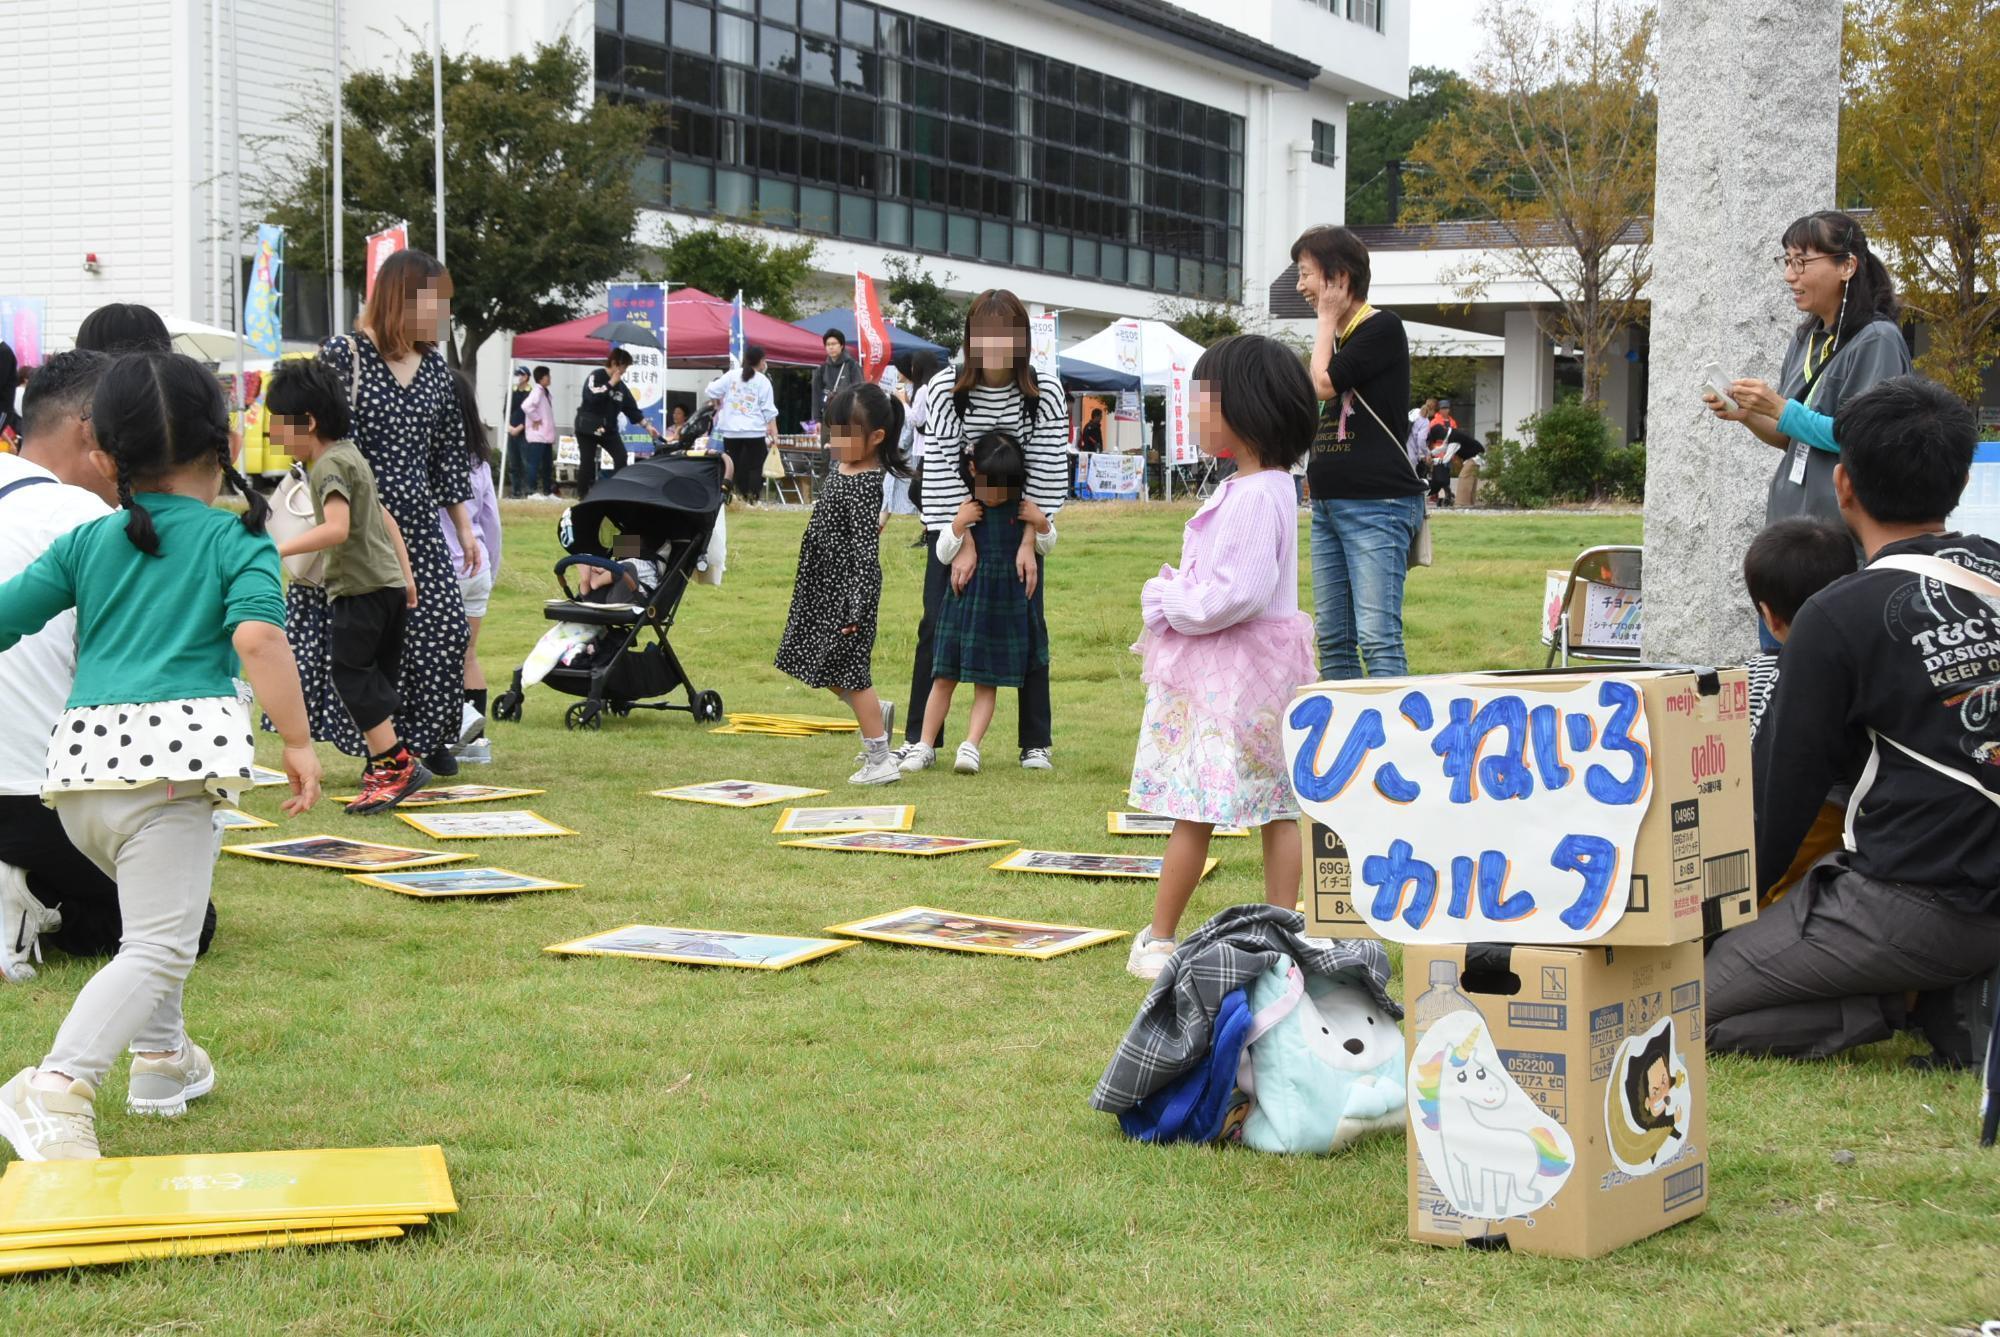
(993, 633)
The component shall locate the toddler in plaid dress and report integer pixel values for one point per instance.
(1225, 644)
(990, 630)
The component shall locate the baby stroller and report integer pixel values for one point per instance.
(664, 508)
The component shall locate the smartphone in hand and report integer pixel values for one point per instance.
(1713, 382)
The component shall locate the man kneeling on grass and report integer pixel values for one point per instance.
(1893, 674)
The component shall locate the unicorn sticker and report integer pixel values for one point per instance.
(1491, 1149)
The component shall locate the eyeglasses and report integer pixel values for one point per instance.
(1796, 264)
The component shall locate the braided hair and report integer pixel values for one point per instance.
(157, 412)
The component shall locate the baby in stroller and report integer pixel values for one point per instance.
(632, 579)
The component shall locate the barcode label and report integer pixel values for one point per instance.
(1725, 875)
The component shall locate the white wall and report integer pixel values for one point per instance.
(1354, 60)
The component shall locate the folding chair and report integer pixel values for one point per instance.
(793, 485)
(1618, 566)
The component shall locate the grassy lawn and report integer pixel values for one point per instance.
(896, 1140)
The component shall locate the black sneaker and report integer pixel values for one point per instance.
(442, 762)
(1957, 1022)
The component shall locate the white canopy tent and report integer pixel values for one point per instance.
(1160, 346)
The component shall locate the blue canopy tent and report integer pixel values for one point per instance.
(901, 341)
(1080, 375)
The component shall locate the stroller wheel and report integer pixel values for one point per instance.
(507, 706)
(583, 715)
(708, 707)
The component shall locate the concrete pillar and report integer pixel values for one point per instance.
(1528, 373)
(1749, 95)
(1486, 400)
(1617, 388)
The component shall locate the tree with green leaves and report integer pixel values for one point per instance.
(724, 260)
(1920, 143)
(1203, 322)
(1381, 133)
(539, 205)
(922, 303)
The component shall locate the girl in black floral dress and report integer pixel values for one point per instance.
(829, 638)
(407, 424)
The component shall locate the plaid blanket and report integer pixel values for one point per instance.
(1174, 1028)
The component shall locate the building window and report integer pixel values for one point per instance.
(1326, 144)
(844, 118)
(1367, 13)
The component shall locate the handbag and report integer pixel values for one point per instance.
(1421, 552)
(292, 511)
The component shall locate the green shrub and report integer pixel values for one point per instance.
(1571, 439)
(1511, 475)
(1625, 472)
(1572, 460)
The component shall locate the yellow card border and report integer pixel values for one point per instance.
(418, 859)
(1096, 936)
(907, 820)
(1114, 827)
(56, 1239)
(250, 820)
(500, 797)
(91, 1255)
(1006, 866)
(262, 777)
(375, 880)
(557, 828)
(678, 796)
(972, 843)
(826, 948)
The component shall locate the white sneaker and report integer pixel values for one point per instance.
(917, 757)
(48, 1125)
(479, 752)
(1037, 759)
(164, 1086)
(471, 724)
(1149, 955)
(967, 761)
(23, 921)
(883, 772)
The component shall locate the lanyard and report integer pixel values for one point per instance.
(1354, 324)
(1815, 373)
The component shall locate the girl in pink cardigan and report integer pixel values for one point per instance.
(1225, 644)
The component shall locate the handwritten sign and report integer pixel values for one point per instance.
(1180, 436)
(1612, 616)
(1476, 812)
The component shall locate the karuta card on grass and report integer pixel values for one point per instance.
(1071, 864)
(736, 793)
(823, 821)
(1151, 824)
(895, 842)
(702, 947)
(516, 823)
(439, 883)
(324, 851)
(948, 930)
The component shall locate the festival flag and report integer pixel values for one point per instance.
(1044, 339)
(382, 245)
(870, 327)
(737, 343)
(264, 304)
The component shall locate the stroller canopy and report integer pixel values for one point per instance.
(661, 499)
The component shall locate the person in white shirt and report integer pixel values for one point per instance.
(46, 490)
(746, 421)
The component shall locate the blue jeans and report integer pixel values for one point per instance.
(1360, 554)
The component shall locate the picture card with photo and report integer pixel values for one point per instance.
(736, 793)
(511, 824)
(1152, 824)
(264, 775)
(235, 819)
(809, 821)
(702, 947)
(896, 842)
(447, 795)
(922, 926)
(1071, 864)
(338, 852)
(440, 882)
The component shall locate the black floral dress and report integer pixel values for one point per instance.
(839, 585)
(414, 438)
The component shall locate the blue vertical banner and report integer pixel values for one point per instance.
(737, 343)
(264, 303)
(644, 305)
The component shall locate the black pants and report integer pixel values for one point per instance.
(1828, 967)
(539, 462)
(747, 453)
(367, 635)
(32, 839)
(1037, 722)
(516, 467)
(589, 439)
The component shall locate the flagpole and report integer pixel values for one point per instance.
(236, 191)
(338, 322)
(437, 113)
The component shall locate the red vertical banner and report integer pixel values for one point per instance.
(870, 328)
(382, 245)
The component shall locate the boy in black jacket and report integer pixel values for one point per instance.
(1892, 674)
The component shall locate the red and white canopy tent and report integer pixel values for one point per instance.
(697, 335)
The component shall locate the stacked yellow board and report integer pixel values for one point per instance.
(786, 726)
(57, 1214)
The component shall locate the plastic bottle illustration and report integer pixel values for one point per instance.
(1441, 999)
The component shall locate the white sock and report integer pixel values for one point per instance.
(877, 748)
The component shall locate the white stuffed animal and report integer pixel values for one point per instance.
(1323, 1066)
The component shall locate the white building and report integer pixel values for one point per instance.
(1095, 156)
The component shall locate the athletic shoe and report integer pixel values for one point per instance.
(1037, 759)
(383, 787)
(882, 772)
(479, 752)
(967, 761)
(917, 757)
(471, 724)
(164, 1086)
(1149, 954)
(1957, 1022)
(23, 921)
(48, 1125)
(442, 762)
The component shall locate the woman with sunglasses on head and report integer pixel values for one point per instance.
(1848, 342)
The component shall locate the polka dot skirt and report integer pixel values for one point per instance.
(204, 739)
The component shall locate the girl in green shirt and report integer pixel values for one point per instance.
(171, 595)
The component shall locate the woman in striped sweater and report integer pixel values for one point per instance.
(995, 390)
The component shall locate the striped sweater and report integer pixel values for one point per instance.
(993, 408)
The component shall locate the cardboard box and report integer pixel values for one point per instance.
(1594, 1130)
(1693, 865)
(1601, 617)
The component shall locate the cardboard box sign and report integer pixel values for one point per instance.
(1513, 816)
(1601, 617)
(1558, 1095)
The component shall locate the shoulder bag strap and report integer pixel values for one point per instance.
(20, 483)
(1391, 435)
